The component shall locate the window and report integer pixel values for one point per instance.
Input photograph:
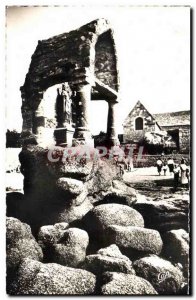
(139, 124)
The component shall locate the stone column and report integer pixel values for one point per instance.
(27, 120)
(82, 101)
(39, 123)
(112, 137)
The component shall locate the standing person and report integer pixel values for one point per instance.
(129, 164)
(121, 169)
(170, 164)
(176, 172)
(183, 168)
(165, 168)
(159, 165)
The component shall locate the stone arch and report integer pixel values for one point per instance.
(76, 57)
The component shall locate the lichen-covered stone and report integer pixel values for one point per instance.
(21, 249)
(99, 264)
(112, 251)
(73, 213)
(50, 234)
(20, 244)
(126, 284)
(71, 248)
(108, 259)
(164, 215)
(134, 240)
(35, 278)
(164, 277)
(101, 179)
(73, 186)
(102, 216)
(15, 230)
(176, 247)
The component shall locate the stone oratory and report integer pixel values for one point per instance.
(84, 62)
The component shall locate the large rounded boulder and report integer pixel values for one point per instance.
(165, 214)
(71, 248)
(35, 278)
(176, 247)
(126, 284)
(102, 216)
(51, 234)
(108, 259)
(165, 277)
(20, 244)
(134, 241)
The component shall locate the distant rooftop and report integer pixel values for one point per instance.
(173, 118)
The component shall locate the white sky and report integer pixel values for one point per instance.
(154, 54)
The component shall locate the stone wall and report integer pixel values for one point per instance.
(184, 136)
(105, 60)
(150, 160)
(184, 139)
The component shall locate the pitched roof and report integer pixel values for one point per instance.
(137, 105)
(173, 118)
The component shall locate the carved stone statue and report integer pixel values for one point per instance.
(63, 106)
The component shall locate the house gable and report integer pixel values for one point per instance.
(138, 122)
(139, 111)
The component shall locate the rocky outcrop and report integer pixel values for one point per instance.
(165, 215)
(164, 277)
(126, 284)
(62, 190)
(176, 247)
(134, 241)
(108, 259)
(35, 278)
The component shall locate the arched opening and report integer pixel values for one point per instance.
(139, 124)
(99, 63)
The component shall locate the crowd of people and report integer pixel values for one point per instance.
(180, 171)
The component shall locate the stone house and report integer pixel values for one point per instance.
(177, 124)
(140, 120)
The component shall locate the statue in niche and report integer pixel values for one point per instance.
(66, 94)
(63, 105)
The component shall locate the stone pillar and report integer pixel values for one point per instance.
(27, 120)
(39, 124)
(112, 137)
(82, 101)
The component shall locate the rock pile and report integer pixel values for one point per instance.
(96, 236)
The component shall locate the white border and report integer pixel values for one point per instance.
(91, 3)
